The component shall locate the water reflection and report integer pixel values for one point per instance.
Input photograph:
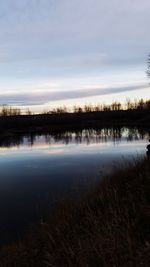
(88, 136)
(36, 170)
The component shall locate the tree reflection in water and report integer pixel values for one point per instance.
(87, 136)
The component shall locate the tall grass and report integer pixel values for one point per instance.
(109, 227)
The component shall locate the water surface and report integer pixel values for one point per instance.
(36, 171)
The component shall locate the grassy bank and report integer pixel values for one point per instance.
(109, 227)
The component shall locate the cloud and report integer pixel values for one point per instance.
(49, 28)
(42, 39)
(40, 98)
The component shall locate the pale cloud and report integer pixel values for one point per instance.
(61, 39)
(40, 98)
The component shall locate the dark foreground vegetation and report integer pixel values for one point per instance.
(63, 120)
(110, 226)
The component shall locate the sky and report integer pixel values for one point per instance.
(73, 52)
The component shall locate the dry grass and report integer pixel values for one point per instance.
(108, 228)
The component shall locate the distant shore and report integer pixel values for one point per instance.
(108, 227)
(72, 121)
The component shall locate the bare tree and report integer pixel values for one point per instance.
(148, 67)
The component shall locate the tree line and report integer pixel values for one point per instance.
(114, 106)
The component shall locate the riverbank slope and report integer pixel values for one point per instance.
(108, 227)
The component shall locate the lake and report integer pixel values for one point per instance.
(37, 171)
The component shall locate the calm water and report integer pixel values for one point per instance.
(37, 171)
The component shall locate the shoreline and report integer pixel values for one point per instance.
(41, 123)
(109, 226)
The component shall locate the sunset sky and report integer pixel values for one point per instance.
(66, 52)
